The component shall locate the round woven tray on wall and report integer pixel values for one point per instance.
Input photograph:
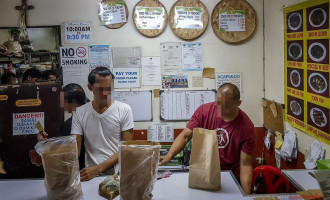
(115, 26)
(150, 32)
(250, 20)
(189, 34)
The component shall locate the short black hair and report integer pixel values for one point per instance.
(74, 93)
(48, 73)
(101, 71)
(7, 77)
(233, 88)
(33, 72)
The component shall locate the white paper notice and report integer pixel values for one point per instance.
(149, 17)
(160, 132)
(231, 20)
(126, 77)
(171, 58)
(151, 71)
(188, 17)
(192, 56)
(76, 74)
(25, 123)
(234, 78)
(99, 55)
(74, 55)
(77, 32)
(112, 12)
(126, 57)
(197, 81)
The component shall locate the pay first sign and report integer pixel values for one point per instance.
(25, 123)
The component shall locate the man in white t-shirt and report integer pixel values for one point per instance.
(103, 123)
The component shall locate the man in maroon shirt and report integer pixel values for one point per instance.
(234, 129)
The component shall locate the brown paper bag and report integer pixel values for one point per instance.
(204, 169)
(138, 162)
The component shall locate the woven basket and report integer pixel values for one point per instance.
(250, 20)
(115, 26)
(150, 32)
(189, 34)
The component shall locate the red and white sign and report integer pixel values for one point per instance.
(25, 123)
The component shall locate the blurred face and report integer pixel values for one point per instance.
(102, 87)
(13, 80)
(227, 106)
(68, 107)
(30, 79)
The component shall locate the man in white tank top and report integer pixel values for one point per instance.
(103, 123)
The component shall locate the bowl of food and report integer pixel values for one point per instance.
(317, 82)
(294, 21)
(318, 117)
(295, 51)
(317, 51)
(317, 17)
(295, 107)
(295, 78)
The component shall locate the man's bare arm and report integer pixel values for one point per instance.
(246, 172)
(177, 146)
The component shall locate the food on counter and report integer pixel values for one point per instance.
(317, 82)
(59, 158)
(138, 169)
(109, 187)
(318, 117)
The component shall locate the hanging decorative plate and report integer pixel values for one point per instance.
(188, 19)
(113, 13)
(233, 21)
(150, 17)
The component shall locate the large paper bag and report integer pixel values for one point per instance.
(138, 162)
(204, 168)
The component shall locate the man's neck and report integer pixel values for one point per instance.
(230, 117)
(101, 105)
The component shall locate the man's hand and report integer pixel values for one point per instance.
(164, 159)
(89, 173)
(42, 135)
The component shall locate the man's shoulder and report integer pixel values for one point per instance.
(121, 105)
(84, 108)
(245, 119)
(209, 105)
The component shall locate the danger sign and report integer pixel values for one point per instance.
(74, 55)
(24, 123)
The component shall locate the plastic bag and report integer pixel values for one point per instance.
(109, 187)
(138, 169)
(60, 161)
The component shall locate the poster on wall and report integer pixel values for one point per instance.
(75, 64)
(99, 55)
(77, 32)
(192, 56)
(234, 78)
(231, 20)
(126, 77)
(170, 58)
(112, 12)
(175, 81)
(25, 123)
(126, 57)
(149, 17)
(306, 47)
(188, 17)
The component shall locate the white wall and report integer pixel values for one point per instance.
(274, 63)
(245, 58)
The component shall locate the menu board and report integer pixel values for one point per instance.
(306, 62)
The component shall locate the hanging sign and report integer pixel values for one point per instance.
(112, 12)
(188, 17)
(231, 20)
